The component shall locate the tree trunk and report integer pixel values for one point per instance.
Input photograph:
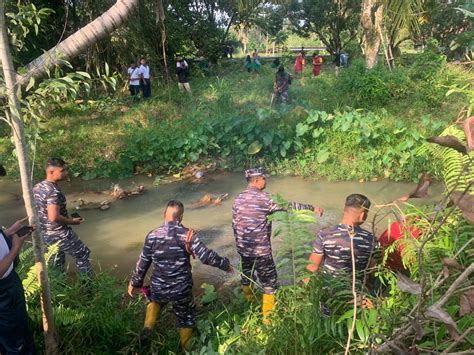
(229, 25)
(49, 328)
(161, 19)
(75, 44)
(372, 14)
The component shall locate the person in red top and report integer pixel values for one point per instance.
(299, 63)
(395, 232)
(317, 63)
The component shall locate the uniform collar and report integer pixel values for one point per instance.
(171, 223)
(249, 187)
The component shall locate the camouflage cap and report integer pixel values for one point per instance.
(254, 172)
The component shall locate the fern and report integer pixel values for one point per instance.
(28, 270)
(66, 316)
(295, 247)
(457, 169)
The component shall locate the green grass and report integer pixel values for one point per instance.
(228, 111)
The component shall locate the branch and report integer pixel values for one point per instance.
(354, 293)
(461, 278)
(75, 44)
(463, 335)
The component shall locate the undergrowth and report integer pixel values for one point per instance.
(376, 118)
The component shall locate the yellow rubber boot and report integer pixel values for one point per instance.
(267, 306)
(152, 310)
(185, 335)
(248, 293)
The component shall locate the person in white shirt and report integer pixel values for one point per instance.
(15, 333)
(145, 83)
(133, 79)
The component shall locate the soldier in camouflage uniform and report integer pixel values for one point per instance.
(332, 247)
(55, 221)
(281, 85)
(169, 248)
(252, 232)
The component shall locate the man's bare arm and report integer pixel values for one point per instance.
(315, 260)
(54, 215)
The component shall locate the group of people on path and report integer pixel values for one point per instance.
(139, 75)
(253, 63)
(283, 79)
(139, 78)
(341, 60)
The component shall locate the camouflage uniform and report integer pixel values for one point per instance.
(282, 82)
(171, 280)
(48, 193)
(335, 244)
(252, 233)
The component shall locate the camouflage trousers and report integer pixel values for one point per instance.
(184, 310)
(282, 96)
(69, 243)
(264, 268)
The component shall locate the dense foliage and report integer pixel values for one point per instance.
(368, 124)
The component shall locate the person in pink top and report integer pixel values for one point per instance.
(299, 64)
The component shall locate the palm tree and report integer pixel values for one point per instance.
(75, 44)
(401, 14)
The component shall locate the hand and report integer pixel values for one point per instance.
(306, 280)
(319, 211)
(76, 221)
(131, 290)
(17, 242)
(15, 226)
(230, 270)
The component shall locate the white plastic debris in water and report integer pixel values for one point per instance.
(199, 174)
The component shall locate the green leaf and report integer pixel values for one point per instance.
(84, 74)
(210, 293)
(301, 129)
(322, 156)
(31, 83)
(254, 148)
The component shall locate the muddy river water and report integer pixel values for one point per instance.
(116, 236)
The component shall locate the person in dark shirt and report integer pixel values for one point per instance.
(252, 232)
(281, 84)
(276, 63)
(54, 219)
(182, 71)
(332, 246)
(15, 333)
(248, 63)
(169, 248)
